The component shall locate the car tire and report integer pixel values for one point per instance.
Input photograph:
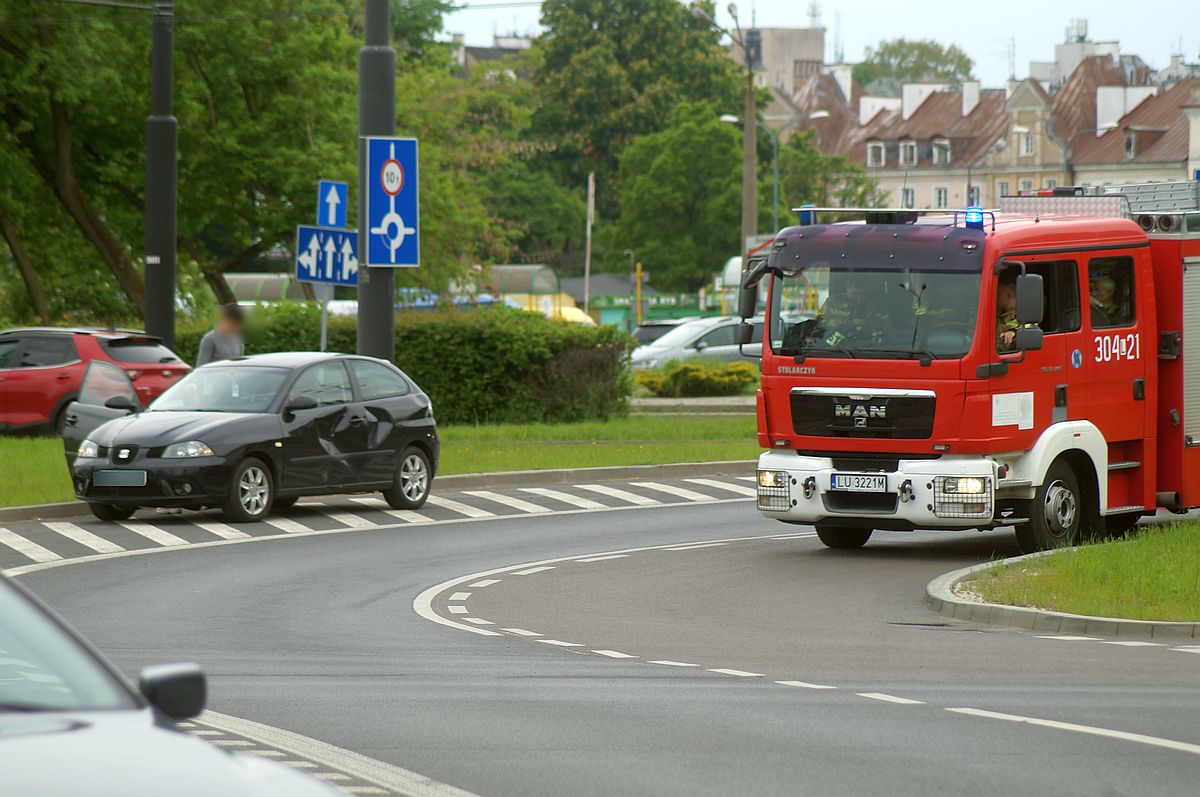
(1058, 514)
(250, 493)
(112, 512)
(413, 480)
(285, 503)
(843, 537)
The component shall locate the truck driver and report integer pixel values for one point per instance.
(1006, 313)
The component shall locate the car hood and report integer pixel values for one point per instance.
(126, 754)
(221, 430)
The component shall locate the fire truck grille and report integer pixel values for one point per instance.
(866, 503)
(895, 417)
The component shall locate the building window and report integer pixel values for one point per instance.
(875, 153)
(1026, 185)
(941, 151)
(908, 198)
(973, 197)
(908, 153)
(1050, 182)
(1002, 188)
(1026, 144)
(1130, 146)
(941, 197)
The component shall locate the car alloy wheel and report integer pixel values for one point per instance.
(253, 490)
(414, 477)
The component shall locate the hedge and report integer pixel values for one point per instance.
(698, 378)
(478, 365)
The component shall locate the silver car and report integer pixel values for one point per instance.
(710, 338)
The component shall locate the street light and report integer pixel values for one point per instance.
(750, 111)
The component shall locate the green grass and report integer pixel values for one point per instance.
(37, 473)
(1154, 575)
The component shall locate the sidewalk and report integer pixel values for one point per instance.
(713, 405)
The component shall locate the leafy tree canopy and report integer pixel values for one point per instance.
(914, 60)
(808, 176)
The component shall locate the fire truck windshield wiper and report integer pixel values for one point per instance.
(911, 354)
(808, 352)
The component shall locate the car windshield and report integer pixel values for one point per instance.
(874, 314)
(651, 332)
(42, 668)
(138, 350)
(229, 389)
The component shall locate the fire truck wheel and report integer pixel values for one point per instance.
(1117, 526)
(1057, 512)
(843, 536)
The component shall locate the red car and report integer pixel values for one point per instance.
(41, 369)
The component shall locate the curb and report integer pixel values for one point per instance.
(470, 481)
(940, 597)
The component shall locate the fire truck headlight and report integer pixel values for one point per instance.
(964, 485)
(772, 478)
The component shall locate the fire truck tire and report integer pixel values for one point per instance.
(1117, 526)
(844, 537)
(1057, 513)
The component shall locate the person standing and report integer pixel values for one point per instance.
(224, 341)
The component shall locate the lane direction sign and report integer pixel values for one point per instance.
(391, 216)
(331, 203)
(326, 255)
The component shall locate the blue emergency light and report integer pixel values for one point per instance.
(807, 216)
(974, 218)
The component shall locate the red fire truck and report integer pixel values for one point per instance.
(1027, 367)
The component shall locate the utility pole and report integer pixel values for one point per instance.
(162, 180)
(376, 117)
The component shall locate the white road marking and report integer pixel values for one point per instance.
(603, 558)
(84, 537)
(904, 701)
(222, 530)
(299, 764)
(1155, 741)
(566, 498)
(457, 609)
(739, 673)
(362, 790)
(407, 515)
(286, 525)
(800, 536)
(614, 654)
(521, 632)
(804, 685)
(621, 495)
(386, 776)
(152, 532)
(267, 753)
(1068, 638)
(719, 485)
(455, 506)
(330, 776)
(529, 571)
(477, 621)
(560, 643)
(694, 547)
(518, 504)
(346, 518)
(199, 732)
(459, 596)
(234, 743)
(669, 663)
(1132, 643)
(26, 547)
(678, 492)
(1188, 649)
(487, 582)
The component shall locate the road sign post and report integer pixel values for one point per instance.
(393, 236)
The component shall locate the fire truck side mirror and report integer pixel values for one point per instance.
(1028, 339)
(1029, 299)
(747, 301)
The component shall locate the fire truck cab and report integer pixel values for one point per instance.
(1026, 367)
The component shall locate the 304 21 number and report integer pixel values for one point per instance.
(1118, 347)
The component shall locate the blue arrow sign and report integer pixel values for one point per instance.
(331, 203)
(324, 254)
(391, 221)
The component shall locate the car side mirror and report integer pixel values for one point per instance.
(1028, 339)
(296, 403)
(177, 690)
(121, 403)
(1030, 299)
(700, 345)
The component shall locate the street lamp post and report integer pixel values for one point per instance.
(632, 271)
(728, 117)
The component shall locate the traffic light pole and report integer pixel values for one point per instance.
(162, 138)
(376, 117)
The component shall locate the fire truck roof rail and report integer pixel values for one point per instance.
(882, 215)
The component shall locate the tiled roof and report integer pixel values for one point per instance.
(1159, 123)
(1074, 108)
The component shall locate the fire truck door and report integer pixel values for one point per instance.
(1113, 358)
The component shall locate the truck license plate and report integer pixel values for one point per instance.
(860, 482)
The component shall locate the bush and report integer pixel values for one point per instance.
(494, 365)
(690, 379)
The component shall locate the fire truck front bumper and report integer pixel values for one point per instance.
(881, 492)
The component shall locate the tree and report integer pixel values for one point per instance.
(612, 70)
(808, 176)
(680, 197)
(914, 60)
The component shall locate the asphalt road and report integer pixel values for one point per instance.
(318, 635)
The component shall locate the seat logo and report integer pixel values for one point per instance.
(124, 453)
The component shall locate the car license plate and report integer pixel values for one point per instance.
(860, 482)
(119, 478)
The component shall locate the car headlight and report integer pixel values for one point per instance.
(772, 478)
(87, 449)
(191, 448)
(964, 485)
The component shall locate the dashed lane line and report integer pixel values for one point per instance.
(670, 663)
(477, 621)
(459, 507)
(518, 504)
(805, 685)
(84, 537)
(903, 701)
(1139, 738)
(1068, 638)
(152, 532)
(590, 559)
(738, 673)
(678, 492)
(486, 582)
(27, 548)
(459, 596)
(529, 571)
(620, 495)
(521, 632)
(560, 643)
(457, 609)
(719, 485)
(566, 498)
(695, 547)
(1131, 643)
(614, 654)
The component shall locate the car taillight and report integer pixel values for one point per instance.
(133, 374)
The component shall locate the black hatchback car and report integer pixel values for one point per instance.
(252, 434)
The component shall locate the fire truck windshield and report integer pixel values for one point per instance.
(897, 313)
